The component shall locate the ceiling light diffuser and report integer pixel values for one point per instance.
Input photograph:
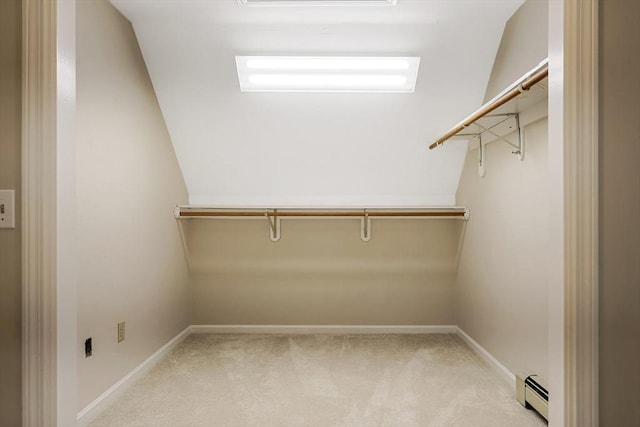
(284, 63)
(327, 74)
(318, 2)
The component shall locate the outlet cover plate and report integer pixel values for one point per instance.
(88, 350)
(120, 331)
(7, 209)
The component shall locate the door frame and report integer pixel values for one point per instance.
(573, 161)
(49, 304)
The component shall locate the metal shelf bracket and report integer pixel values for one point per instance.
(481, 160)
(518, 146)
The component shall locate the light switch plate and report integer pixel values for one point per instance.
(7, 209)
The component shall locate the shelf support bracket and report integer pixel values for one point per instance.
(520, 150)
(365, 227)
(274, 225)
(481, 157)
(519, 147)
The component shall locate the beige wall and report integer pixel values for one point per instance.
(320, 272)
(501, 288)
(619, 213)
(523, 45)
(10, 239)
(131, 264)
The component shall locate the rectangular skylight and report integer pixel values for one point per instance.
(327, 74)
(318, 2)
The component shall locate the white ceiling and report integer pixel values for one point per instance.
(310, 149)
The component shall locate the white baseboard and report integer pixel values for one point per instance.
(493, 363)
(324, 329)
(94, 408)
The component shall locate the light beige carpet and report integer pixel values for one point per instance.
(319, 380)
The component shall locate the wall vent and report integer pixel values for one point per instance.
(318, 2)
(531, 393)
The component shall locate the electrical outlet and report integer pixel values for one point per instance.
(88, 350)
(120, 331)
(7, 209)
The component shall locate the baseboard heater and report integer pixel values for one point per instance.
(532, 394)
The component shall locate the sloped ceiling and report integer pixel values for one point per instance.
(297, 149)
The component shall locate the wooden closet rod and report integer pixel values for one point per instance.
(204, 212)
(536, 77)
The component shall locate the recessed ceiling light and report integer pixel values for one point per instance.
(318, 2)
(327, 74)
(321, 63)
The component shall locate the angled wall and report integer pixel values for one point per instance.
(131, 263)
(501, 288)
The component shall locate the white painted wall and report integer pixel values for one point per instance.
(501, 289)
(321, 273)
(131, 265)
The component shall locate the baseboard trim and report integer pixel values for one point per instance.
(324, 329)
(493, 363)
(94, 408)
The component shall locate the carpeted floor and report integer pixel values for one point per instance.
(319, 380)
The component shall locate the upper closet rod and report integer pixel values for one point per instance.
(525, 83)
